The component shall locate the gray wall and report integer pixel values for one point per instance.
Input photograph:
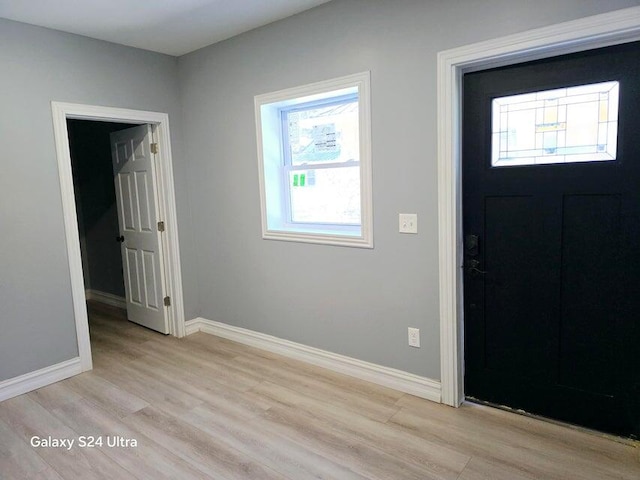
(38, 66)
(97, 213)
(350, 301)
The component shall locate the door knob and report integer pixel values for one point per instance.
(120, 239)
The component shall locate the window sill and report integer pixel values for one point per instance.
(319, 239)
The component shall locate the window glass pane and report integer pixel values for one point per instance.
(574, 124)
(325, 195)
(324, 134)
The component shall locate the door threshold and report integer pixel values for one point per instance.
(633, 442)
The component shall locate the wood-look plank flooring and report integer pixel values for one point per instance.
(205, 407)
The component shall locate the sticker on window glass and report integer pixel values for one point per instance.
(303, 179)
(324, 137)
(574, 124)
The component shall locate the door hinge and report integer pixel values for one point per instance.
(167, 301)
(154, 148)
(161, 226)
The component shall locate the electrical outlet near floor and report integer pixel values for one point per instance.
(414, 337)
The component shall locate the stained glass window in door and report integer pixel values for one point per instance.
(573, 124)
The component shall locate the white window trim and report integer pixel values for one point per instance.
(611, 28)
(362, 82)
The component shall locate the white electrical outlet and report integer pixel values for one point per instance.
(414, 337)
(408, 222)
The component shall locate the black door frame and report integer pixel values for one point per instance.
(602, 30)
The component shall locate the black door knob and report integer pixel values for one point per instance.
(120, 239)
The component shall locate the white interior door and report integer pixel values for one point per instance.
(136, 197)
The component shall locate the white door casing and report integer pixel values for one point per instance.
(167, 205)
(583, 34)
(141, 243)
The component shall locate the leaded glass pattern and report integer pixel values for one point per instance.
(574, 124)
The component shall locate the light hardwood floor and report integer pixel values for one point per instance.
(204, 407)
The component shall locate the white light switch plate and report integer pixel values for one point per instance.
(408, 223)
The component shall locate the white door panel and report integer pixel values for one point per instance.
(136, 194)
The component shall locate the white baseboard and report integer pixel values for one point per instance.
(388, 377)
(40, 378)
(193, 326)
(106, 298)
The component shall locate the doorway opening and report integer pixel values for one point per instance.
(114, 209)
(96, 209)
(158, 125)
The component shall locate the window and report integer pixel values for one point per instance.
(574, 124)
(315, 162)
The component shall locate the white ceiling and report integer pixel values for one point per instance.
(174, 27)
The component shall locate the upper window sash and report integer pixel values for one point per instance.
(285, 111)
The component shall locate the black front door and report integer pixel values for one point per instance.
(551, 222)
